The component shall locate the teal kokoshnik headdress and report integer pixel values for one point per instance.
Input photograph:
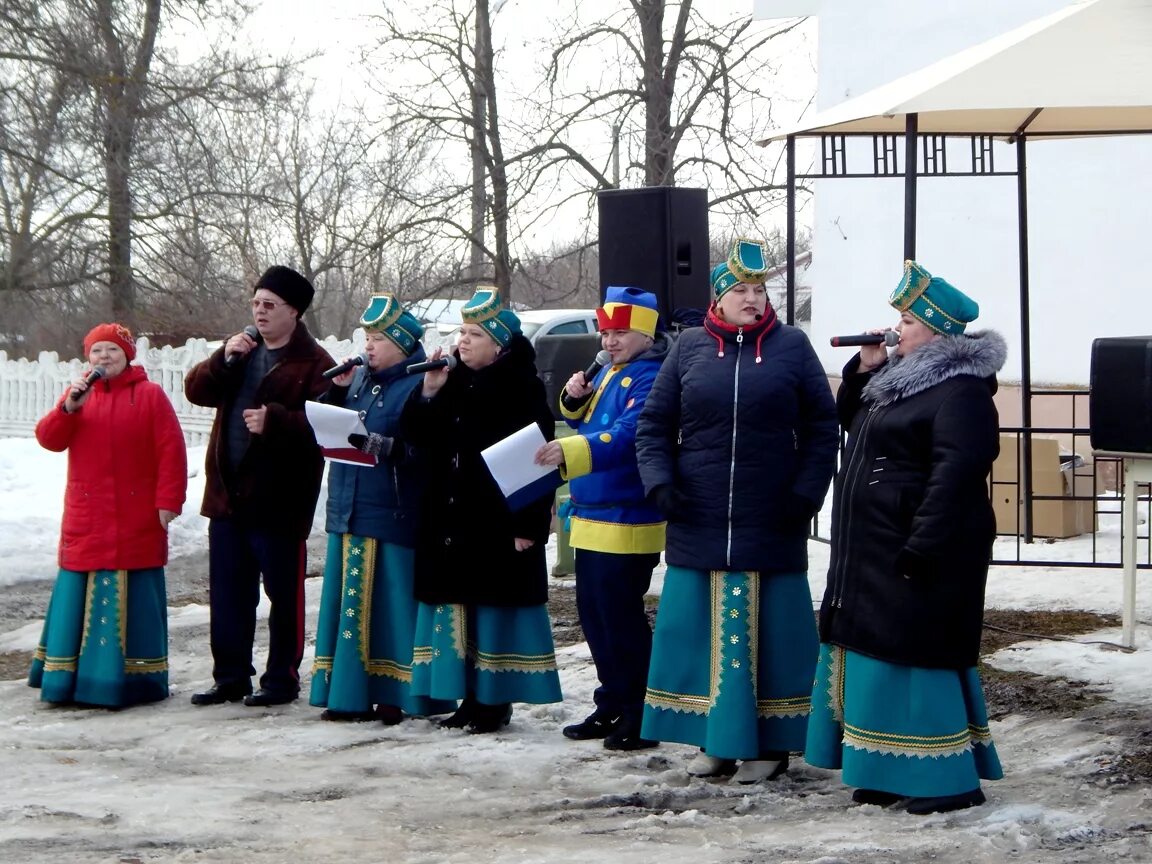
(486, 310)
(747, 262)
(386, 315)
(943, 307)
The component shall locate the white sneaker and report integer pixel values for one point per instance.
(710, 766)
(755, 770)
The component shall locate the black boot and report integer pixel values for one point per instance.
(463, 715)
(489, 718)
(218, 694)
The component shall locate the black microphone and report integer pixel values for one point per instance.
(888, 338)
(252, 333)
(350, 363)
(428, 365)
(91, 378)
(602, 359)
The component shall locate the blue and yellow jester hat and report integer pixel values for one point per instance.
(747, 262)
(385, 315)
(941, 306)
(628, 309)
(486, 310)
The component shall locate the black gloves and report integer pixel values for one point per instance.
(797, 514)
(668, 500)
(373, 444)
(913, 565)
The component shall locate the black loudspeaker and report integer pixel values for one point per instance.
(558, 356)
(1120, 402)
(656, 238)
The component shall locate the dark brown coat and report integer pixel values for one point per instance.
(275, 486)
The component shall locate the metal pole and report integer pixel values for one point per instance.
(615, 155)
(790, 232)
(911, 125)
(1025, 330)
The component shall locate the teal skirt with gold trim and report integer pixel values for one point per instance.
(105, 639)
(733, 657)
(365, 629)
(907, 730)
(496, 654)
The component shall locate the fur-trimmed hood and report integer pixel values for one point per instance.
(980, 353)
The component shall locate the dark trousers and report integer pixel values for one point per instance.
(237, 558)
(610, 598)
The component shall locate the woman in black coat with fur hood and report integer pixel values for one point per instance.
(482, 628)
(897, 701)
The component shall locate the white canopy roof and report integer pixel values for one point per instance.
(1082, 70)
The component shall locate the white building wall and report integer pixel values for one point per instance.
(1088, 206)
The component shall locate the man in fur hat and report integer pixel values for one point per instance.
(263, 471)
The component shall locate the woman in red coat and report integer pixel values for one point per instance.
(105, 639)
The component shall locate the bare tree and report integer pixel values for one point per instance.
(108, 58)
(684, 89)
(451, 108)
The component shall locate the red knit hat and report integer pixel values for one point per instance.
(117, 333)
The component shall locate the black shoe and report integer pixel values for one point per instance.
(943, 803)
(875, 796)
(389, 715)
(347, 716)
(490, 718)
(218, 694)
(627, 737)
(595, 726)
(263, 698)
(463, 715)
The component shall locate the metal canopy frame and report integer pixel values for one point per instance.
(925, 155)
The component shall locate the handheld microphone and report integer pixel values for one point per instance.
(887, 338)
(350, 363)
(252, 333)
(428, 365)
(91, 378)
(602, 359)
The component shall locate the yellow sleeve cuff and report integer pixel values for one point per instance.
(577, 456)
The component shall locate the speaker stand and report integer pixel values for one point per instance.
(1137, 470)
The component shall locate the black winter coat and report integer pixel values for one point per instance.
(912, 526)
(743, 424)
(465, 537)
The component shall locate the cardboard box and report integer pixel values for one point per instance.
(1050, 518)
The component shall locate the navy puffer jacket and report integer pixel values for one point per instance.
(379, 501)
(742, 423)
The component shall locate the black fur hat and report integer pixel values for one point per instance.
(290, 285)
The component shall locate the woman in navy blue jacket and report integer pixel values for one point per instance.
(737, 445)
(367, 621)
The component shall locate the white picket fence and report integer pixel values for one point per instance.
(29, 388)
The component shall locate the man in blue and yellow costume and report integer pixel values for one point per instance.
(617, 534)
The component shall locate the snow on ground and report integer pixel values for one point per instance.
(170, 782)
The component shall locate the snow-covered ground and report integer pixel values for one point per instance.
(170, 782)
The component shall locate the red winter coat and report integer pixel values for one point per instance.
(126, 462)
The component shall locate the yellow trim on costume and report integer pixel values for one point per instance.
(907, 745)
(688, 703)
(577, 456)
(578, 414)
(390, 669)
(488, 662)
(145, 665)
(616, 537)
(788, 706)
(591, 409)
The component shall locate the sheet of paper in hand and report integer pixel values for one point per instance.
(511, 463)
(332, 425)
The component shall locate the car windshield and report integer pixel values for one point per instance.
(528, 328)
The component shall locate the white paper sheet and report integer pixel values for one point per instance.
(512, 466)
(332, 425)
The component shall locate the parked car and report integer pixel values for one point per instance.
(556, 322)
(534, 323)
